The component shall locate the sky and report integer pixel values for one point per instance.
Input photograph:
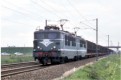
(20, 18)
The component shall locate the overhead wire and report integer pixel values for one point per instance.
(23, 9)
(34, 2)
(56, 10)
(78, 11)
(64, 7)
(72, 15)
(19, 12)
(88, 26)
(22, 13)
(27, 14)
(50, 7)
(17, 22)
(67, 13)
(14, 10)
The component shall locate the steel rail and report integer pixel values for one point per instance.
(16, 64)
(10, 72)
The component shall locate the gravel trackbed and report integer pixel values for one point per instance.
(50, 72)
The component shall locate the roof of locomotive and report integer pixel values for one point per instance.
(52, 30)
(56, 29)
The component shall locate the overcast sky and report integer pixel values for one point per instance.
(20, 18)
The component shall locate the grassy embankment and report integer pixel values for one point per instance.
(105, 69)
(15, 59)
(12, 58)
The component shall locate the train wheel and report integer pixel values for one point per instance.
(44, 61)
(80, 58)
(66, 59)
(75, 58)
(39, 61)
(62, 60)
(52, 62)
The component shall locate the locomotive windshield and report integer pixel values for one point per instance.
(46, 35)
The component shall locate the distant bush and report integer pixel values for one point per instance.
(12, 50)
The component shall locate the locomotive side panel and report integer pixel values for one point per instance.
(73, 46)
(66, 49)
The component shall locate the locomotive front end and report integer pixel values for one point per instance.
(46, 46)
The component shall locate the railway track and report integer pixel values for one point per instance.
(14, 71)
(18, 70)
(16, 65)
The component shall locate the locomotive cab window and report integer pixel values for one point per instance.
(46, 35)
(53, 35)
(38, 36)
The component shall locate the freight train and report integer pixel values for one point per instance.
(54, 45)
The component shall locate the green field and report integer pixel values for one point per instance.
(105, 69)
(16, 59)
(12, 58)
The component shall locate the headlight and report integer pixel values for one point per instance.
(54, 47)
(34, 50)
(38, 47)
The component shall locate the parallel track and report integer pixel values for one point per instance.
(20, 69)
(16, 65)
(10, 72)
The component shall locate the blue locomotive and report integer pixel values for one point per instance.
(55, 45)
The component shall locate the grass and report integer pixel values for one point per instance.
(27, 51)
(15, 59)
(105, 69)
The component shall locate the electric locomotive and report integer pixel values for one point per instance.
(55, 45)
